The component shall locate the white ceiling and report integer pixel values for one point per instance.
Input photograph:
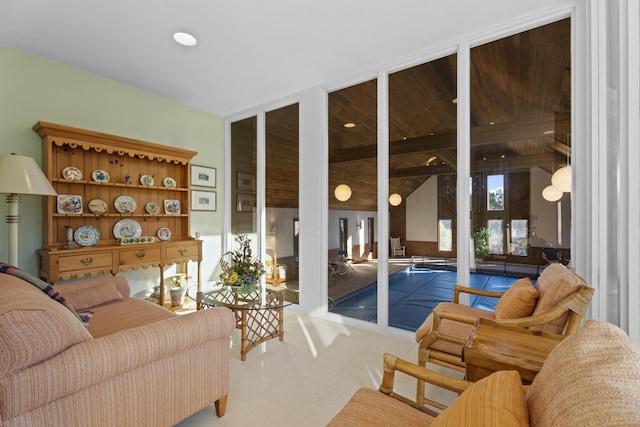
(249, 52)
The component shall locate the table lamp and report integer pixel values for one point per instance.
(20, 175)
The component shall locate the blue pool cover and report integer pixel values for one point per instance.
(413, 294)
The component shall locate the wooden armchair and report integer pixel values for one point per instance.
(555, 305)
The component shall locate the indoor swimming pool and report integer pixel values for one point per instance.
(413, 293)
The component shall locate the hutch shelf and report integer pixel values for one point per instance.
(122, 204)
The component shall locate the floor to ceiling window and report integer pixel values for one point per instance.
(520, 143)
(243, 179)
(281, 196)
(352, 184)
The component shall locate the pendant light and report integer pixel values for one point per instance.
(561, 179)
(342, 192)
(395, 199)
(551, 193)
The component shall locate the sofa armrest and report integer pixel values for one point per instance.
(457, 289)
(94, 361)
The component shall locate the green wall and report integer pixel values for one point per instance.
(34, 89)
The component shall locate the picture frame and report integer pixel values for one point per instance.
(245, 181)
(203, 176)
(245, 202)
(203, 200)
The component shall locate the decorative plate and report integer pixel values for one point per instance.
(71, 173)
(152, 208)
(127, 228)
(97, 206)
(147, 180)
(86, 235)
(169, 182)
(125, 204)
(172, 207)
(100, 176)
(68, 204)
(164, 233)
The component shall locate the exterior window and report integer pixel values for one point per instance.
(495, 192)
(445, 235)
(496, 237)
(519, 243)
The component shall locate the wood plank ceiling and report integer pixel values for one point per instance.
(520, 117)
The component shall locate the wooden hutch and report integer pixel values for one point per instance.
(110, 187)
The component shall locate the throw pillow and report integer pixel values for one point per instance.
(497, 400)
(519, 300)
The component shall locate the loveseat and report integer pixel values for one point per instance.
(136, 364)
(591, 378)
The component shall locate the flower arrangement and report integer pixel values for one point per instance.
(239, 268)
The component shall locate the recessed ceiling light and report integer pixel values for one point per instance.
(454, 100)
(549, 132)
(185, 39)
(349, 125)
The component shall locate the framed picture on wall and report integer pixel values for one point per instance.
(203, 176)
(203, 200)
(245, 202)
(245, 181)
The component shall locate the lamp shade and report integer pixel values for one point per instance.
(342, 192)
(561, 179)
(22, 175)
(395, 199)
(551, 193)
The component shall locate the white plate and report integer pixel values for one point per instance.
(147, 180)
(164, 233)
(169, 182)
(86, 235)
(99, 175)
(69, 204)
(125, 204)
(152, 208)
(172, 207)
(71, 173)
(127, 228)
(97, 206)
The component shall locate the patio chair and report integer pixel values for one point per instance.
(396, 248)
(555, 305)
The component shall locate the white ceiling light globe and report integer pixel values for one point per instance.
(185, 39)
(395, 199)
(342, 192)
(561, 179)
(551, 194)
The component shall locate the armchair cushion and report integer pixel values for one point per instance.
(368, 407)
(497, 400)
(555, 283)
(519, 300)
(452, 328)
(590, 378)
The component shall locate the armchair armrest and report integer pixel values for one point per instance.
(457, 289)
(91, 362)
(393, 363)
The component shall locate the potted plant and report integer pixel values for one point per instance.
(481, 242)
(239, 269)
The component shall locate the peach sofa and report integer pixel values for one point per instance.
(137, 364)
(592, 378)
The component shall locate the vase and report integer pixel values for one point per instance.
(177, 296)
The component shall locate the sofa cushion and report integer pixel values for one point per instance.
(556, 282)
(33, 327)
(519, 300)
(127, 313)
(591, 378)
(372, 408)
(496, 400)
(51, 291)
(83, 296)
